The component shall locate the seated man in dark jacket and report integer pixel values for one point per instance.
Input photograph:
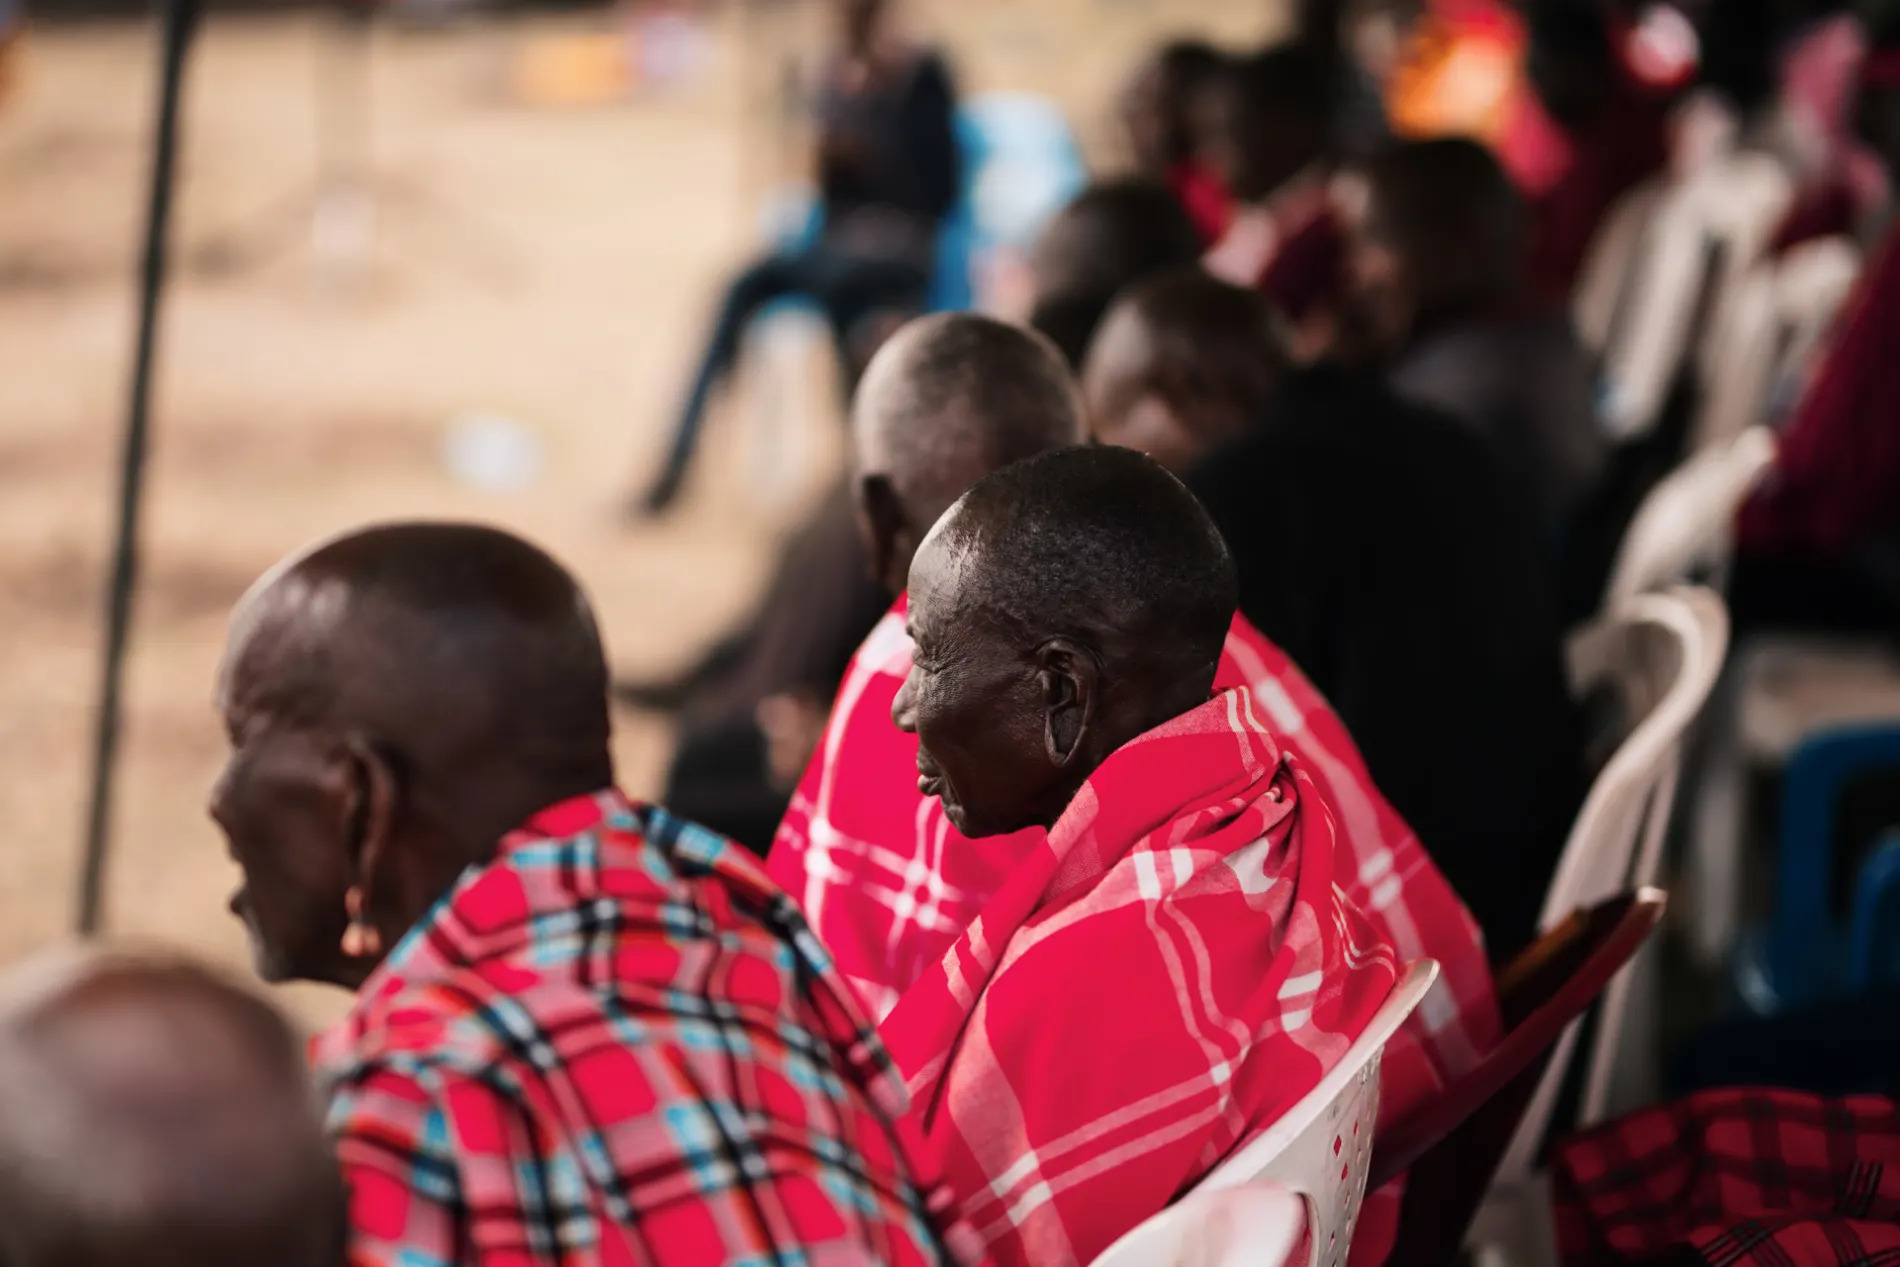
(1377, 544)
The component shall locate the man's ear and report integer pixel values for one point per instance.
(372, 822)
(884, 527)
(1071, 681)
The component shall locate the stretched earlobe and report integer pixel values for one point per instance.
(1068, 680)
(372, 815)
(360, 938)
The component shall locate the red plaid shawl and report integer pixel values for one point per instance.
(1165, 973)
(1780, 1178)
(889, 885)
(617, 1044)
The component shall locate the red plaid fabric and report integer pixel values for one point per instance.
(1780, 1178)
(1166, 972)
(617, 1044)
(889, 884)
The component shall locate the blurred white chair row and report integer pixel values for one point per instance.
(1680, 282)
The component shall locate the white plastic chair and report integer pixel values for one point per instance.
(1687, 521)
(1256, 1224)
(1767, 333)
(1703, 235)
(1320, 1148)
(1662, 651)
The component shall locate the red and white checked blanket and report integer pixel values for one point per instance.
(1164, 974)
(888, 884)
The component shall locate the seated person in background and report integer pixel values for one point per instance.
(1183, 364)
(1585, 128)
(1076, 1065)
(885, 878)
(1381, 549)
(1268, 134)
(1818, 545)
(1112, 234)
(1441, 304)
(154, 1115)
(888, 171)
(1158, 110)
(585, 1031)
(749, 712)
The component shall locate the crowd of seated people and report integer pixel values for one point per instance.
(1166, 674)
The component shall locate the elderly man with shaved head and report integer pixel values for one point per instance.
(585, 1032)
(154, 1115)
(1172, 962)
(885, 873)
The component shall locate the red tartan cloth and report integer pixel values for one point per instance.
(1165, 973)
(1781, 1178)
(1836, 479)
(889, 885)
(618, 1044)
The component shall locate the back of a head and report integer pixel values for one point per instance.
(952, 397)
(459, 641)
(154, 1115)
(1112, 235)
(1448, 211)
(1209, 342)
(1103, 545)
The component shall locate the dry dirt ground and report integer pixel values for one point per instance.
(552, 266)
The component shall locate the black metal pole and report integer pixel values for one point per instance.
(180, 18)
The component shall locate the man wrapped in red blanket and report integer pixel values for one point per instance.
(1174, 965)
(890, 884)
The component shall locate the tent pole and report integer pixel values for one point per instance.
(179, 19)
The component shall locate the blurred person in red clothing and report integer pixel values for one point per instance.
(1819, 543)
(1159, 110)
(1270, 137)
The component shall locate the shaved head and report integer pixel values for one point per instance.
(153, 1115)
(1065, 606)
(397, 699)
(949, 399)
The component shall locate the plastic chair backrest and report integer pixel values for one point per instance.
(1600, 302)
(1320, 1147)
(1256, 1224)
(1453, 1144)
(1687, 520)
(1765, 339)
(1740, 368)
(1661, 653)
(1812, 283)
(1705, 232)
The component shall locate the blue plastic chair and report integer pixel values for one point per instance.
(1806, 954)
